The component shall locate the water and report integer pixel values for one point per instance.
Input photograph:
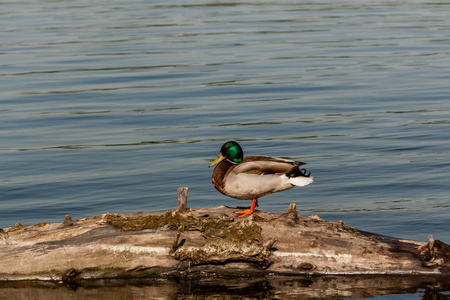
(110, 106)
(395, 287)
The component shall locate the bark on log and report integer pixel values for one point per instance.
(208, 242)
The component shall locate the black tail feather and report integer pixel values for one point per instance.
(297, 172)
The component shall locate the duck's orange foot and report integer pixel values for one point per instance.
(244, 212)
(247, 212)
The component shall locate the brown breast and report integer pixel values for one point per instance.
(219, 173)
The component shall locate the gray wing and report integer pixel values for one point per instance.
(259, 164)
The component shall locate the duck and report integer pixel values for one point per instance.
(252, 177)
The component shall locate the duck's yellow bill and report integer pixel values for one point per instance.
(219, 158)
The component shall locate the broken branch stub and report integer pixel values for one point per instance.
(182, 200)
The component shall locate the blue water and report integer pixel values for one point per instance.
(110, 106)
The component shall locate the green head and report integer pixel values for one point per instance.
(231, 151)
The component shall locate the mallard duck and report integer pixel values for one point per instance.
(251, 177)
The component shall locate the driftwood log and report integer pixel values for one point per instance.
(208, 242)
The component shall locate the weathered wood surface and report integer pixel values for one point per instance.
(208, 242)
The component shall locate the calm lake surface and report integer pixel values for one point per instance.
(110, 106)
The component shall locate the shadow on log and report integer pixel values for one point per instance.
(208, 242)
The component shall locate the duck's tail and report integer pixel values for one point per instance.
(301, 181)
(299, 177)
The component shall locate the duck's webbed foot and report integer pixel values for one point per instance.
(249, 211)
